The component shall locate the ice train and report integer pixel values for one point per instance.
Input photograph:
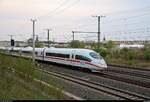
(83, 58)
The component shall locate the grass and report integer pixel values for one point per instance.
(14, 86)
(138, 58)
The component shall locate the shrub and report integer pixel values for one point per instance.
(77, 44)
(102, 51)
(147, 55)
(130, 62)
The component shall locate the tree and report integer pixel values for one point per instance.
(77, 44)
(110, 44)
(39, 45)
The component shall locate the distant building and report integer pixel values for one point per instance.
(132, 42)
(4, 43)
(133, 46)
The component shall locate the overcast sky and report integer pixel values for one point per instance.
(125, 19)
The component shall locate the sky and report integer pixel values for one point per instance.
(124, 19)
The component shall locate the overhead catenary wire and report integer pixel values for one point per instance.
(63, 6)
(68, 7)
(60, 9)
(130, 17)
(129, 11)
(105, 22)
(55, 9)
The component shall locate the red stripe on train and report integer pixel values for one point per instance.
(73, 61)
(92, 64)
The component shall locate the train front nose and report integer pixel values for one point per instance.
(102, 63)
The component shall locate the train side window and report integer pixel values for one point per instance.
(80, 57)
(26, 52)
(58, 55)
(72, 56)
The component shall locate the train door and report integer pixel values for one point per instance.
(72, 57)
(43, 54)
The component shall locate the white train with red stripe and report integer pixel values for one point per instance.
(83, 58)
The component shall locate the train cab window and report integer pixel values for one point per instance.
(58, 55)
(95, 55)
(80, 57)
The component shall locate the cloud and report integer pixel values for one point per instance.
(26, 7)
(15, 15)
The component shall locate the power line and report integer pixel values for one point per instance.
(131, 17)
(128, 11)
(108, 22)
(68, 7)
(57, 8)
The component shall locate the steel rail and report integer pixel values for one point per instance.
(110, 77)
(97, 86)
(129, 67)
(123, 79)
(131, 73)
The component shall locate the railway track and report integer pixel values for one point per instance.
(125, 75)
(128, 72)
(128, 67)
(111, 90)
(123, 79)
(98, 87)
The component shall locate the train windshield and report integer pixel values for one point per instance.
(95, 55)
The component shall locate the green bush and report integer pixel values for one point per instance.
(77, 44)
(130, 62)
(147, 55)
(110, 45)
(102, 51)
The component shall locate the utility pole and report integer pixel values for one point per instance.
(73, 32)
(12, 43)
(48, 37)
(99, 32)
(73, 38)
(73, 35)
(37, 38)
(11, 36)
(33, 56)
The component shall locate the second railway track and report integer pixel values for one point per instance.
(144, 73)
(99, 87)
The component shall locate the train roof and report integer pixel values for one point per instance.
(68, 50)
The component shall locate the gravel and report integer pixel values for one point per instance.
(106, 81)
(82, 91)
(130, 70)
